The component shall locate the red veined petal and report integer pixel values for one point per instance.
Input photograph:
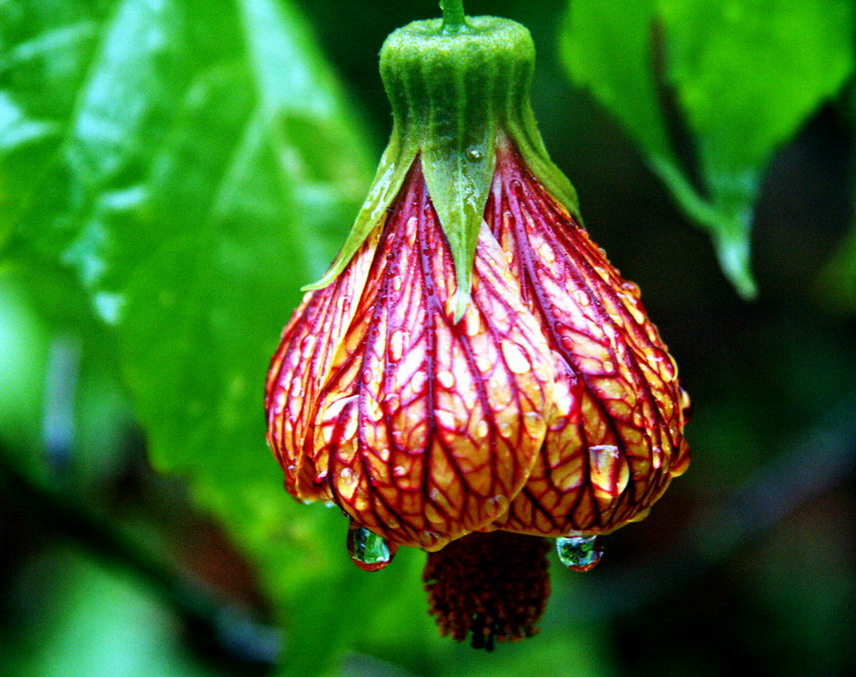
(614, 437)
(432, 427)
(301, 365)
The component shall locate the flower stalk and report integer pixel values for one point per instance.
(454, 19)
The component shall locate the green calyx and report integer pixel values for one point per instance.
(455, 89)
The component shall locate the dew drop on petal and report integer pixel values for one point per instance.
(368, 551)
(279, 402)
(428, 539)
(307, 343)
(631, 288)
(608, 470)
(580, 553)
(582, 297)
(347, 483)
(446, 379)
(515, 358)
(396, 344)
(546, 253)
(534, 423)
(446, 419)
(483, 364)
(657, 457)
(482, 429)
(497, 505)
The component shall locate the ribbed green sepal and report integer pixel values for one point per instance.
(453, 93)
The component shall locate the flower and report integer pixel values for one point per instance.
(473, 375)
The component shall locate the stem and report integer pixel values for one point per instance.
(453, 14)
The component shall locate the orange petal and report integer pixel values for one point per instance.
(433, 427)
(614, 437)
(300, 367)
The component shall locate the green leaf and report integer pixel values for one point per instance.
(747, 75)
(749, 72)
(193, 162)
(606, 46)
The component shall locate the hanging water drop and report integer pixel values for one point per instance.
(369, 551)
(580, 553)
(474, 153)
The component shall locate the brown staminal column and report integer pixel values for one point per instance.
(492, 585)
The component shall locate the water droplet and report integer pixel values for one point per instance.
(307, 343)
(657, 457)
(504, 429)
(580, 553)
(392, 402)
(497, 505)
(534, 423)
(631, 288)
(399, 471)
(546, 253)
(446, 379)
(686, 403)
(347, 482)
(517, 187)
(582, 297)
(369, 551)
(483, 364)
(482, 429)
(396, 344)
(446, 419)
(515, 358)
(279, 402)
(428, 539)
(474, 153)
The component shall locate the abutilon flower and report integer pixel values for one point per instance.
(472, 375)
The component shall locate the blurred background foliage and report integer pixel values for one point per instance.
(171, 171)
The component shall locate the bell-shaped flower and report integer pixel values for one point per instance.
(472, 374)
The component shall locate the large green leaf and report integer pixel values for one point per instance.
(194, 163)
(747, 74)
(606, 47)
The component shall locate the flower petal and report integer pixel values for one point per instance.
(614, 438)
(432, 426)
(299, 368)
